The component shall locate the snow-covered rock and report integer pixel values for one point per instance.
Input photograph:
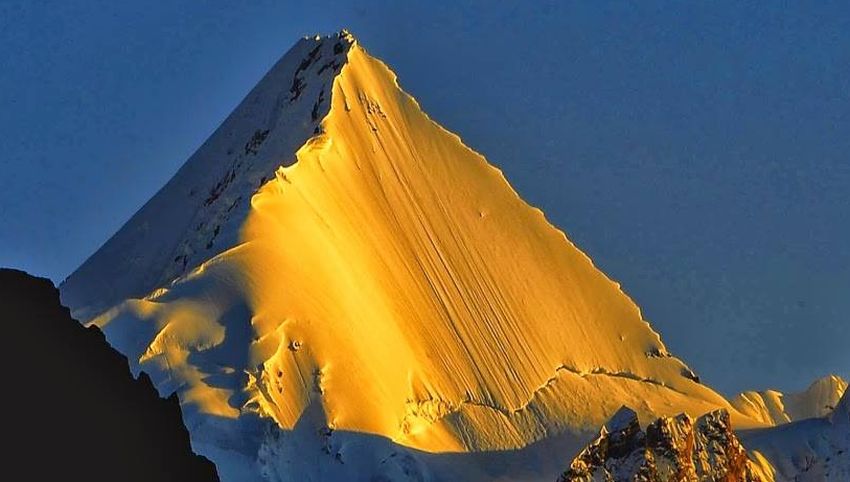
(671, 449)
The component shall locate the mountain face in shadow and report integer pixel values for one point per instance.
(72, 410)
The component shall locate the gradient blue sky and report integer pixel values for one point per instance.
(699, 152)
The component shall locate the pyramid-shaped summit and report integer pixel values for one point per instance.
(335, 284)
(197, 215)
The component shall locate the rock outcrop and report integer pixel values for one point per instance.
(72, 410)
(671, 449)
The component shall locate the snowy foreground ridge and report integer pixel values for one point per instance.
(339, 289)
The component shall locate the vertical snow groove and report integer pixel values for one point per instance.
(476, 308)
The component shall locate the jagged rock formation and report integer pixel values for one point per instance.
(810, 450)
(73, 411)
(775, 408)
(671, 449)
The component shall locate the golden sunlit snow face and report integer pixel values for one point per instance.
(392, 276)
(428, 302)
(337, 288)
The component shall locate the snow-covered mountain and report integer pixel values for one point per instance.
(339, 289)
(671, 449)
(199, 212)
(810, 450)
(774, 407)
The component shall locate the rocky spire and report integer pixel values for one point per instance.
(671, 449)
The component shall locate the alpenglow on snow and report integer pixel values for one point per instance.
(336, 286)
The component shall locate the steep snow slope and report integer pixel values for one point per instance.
(773, 407)
(388, 289)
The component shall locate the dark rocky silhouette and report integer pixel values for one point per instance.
(71, 408)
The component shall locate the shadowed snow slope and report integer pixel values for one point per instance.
(390, 276)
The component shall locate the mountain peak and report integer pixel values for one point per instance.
(332, 250)
(830, 382)
(774, 407)
(342, 34)
(346, 34)
(197, 214)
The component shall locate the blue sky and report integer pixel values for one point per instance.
(699, 152)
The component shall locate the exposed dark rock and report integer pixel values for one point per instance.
(298, 86)
(656, 352)
(72, 409)
(672, 449)
(688, 373)
(256, 140)
(297, 82)
(315, 113)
